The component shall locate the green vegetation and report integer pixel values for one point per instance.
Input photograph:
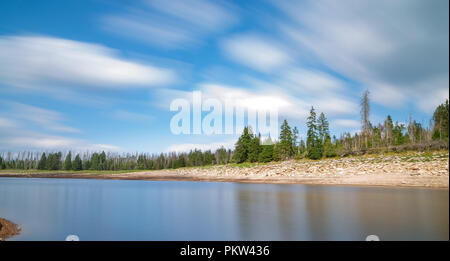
(385, 138)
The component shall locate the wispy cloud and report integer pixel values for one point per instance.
(44, 118)
(26, 127)
(346, 123)
(391, 47)
(16, 139)
(171, 24)
(132, 116)
(37, 61)
(255, 51)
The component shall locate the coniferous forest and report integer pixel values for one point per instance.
(250, 147)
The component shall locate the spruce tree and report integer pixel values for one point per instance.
(254, 149)
(314, 146)
(68, 161)
(276, 152)
(266, 154)
(242, 146)
(42, 162)
(77, 165)
(95, 162)
(286, 141)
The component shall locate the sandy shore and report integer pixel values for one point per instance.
(393, 171)
(8, 229)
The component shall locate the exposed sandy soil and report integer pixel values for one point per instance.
(393, 171)
(8, 229)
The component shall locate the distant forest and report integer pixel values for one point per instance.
(388, 136)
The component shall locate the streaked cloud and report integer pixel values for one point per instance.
(255, 51)
(171, 24)
(132, 116)
(35, 61)
(346, 123)
(48, 142)
(44, 118)
(390, 47)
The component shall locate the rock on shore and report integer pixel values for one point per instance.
(413, 169)
(7, 229)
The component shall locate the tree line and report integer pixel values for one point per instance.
(250, 147)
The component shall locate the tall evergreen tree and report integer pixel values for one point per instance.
(254, 149)
(68, 161)
(441, 122)
(313, 143)
(266, 154)
(323, 127)
(94, 162)
(242, 146)
(42, 162)
(286, 141)
(77, 164)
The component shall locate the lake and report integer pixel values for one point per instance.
(51, 209)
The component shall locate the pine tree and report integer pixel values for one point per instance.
(68, 161)
(286, 141)
(242, 146)
(441, 122)
(323, 127)
(276, 152)
(94, 162)
(102, 161)
(254, 149)
(266, 154)
(328, 147)
(324, 136)
(313, 143)
(77, 165)
(42, 162)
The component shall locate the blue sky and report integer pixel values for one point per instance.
(94, 75)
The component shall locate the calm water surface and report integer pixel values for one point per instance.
(51, 209)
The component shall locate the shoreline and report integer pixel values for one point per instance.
(380, 171)
(8, 229)
(246, 180)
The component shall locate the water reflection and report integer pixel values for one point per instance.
(51, 209)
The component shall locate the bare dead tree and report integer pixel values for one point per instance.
(365, 111)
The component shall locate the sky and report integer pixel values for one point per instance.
(101, 74)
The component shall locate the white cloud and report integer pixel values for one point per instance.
(312, 81)
(132, 116)
(24, 127)
(390, 47)
(34, 61)
(44, 118)
(172, 24)
(346, 123)
(7, 123)
(387, 95)
(255, 52)
(186, 147)
(209, 15)
(19, 139)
